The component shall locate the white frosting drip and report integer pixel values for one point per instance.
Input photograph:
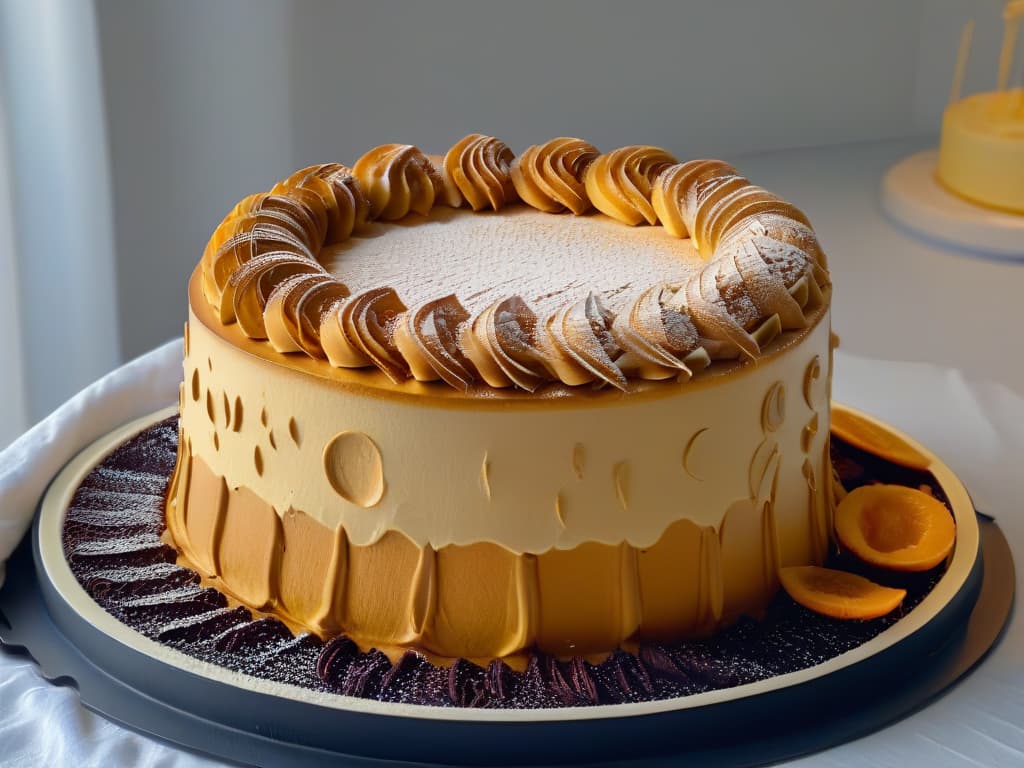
(547, 260)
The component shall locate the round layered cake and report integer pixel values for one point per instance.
(477, 405)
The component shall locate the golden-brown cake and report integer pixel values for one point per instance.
(476, 404)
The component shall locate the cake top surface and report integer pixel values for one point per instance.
(484, 257)
(652, 270)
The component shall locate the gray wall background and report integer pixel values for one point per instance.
(207, 102)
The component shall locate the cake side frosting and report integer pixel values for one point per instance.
(590, 523)
(501, 471)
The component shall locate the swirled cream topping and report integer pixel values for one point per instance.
(522, 298)
(619, 183)
(427, 338)
(549, 177)
(708, 199)
(398, 179)
(657, 340)
(476, 170)
(343, 199)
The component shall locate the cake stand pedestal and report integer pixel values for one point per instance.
(913, 198)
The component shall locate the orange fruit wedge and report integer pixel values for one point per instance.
(839, 594)
(895, 527)
(868, 436)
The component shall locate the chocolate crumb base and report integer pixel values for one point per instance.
(112, 541)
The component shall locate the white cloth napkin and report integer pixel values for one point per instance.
(29, 464)
(976, 427)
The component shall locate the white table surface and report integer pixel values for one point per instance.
(897, 299)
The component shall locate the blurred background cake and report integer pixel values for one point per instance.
(981, 153)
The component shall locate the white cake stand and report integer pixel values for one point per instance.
(913, 197)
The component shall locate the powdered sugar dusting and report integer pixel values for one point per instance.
(547, 260)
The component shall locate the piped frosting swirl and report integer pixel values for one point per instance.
(427, 337)
(654, 337)
(765, 270)
(398, 178)
(339, 194)
(549, 177)
(619, 182)
(476, 170)
(582, 331)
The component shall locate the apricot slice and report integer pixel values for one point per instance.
(892, 526)
(839, 594)
(868, 436)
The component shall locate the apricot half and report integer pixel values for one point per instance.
(868, 436)
(839, 594)
(892, 526)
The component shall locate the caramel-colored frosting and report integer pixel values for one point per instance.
(476, 170)
(708, 200)
(483, 527)
(619, 182)
(680, 188)
(337, 190)
(526, 472)
(398, 178)
(427, 339)
(481, 601)
(549, 177)
(765, 269)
